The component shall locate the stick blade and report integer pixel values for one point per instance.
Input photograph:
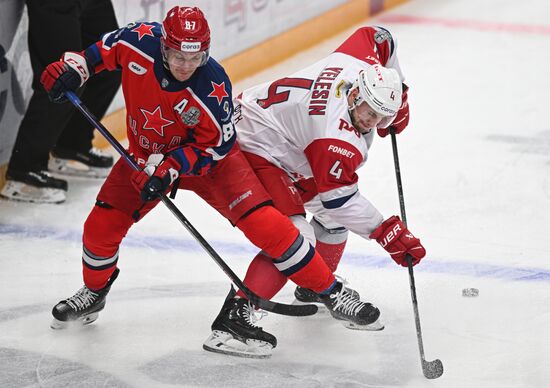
(291, 310)
(432, 369)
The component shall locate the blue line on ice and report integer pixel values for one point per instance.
(188, 245)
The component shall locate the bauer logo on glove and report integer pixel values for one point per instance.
(390, 236)
(398, 241)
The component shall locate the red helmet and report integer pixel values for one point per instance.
(186, 29)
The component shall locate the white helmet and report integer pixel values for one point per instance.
(380, 88)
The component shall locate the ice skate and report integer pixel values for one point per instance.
(234, 332)
(92, 164)
(34, 186)
(306, 296)
(82, 308)
(353, 313)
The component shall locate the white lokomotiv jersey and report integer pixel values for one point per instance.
(301, 124)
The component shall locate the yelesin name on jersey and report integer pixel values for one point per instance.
(321, 90)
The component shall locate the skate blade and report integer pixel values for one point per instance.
(375, 326)
(21, 192)
(77, 169)
(82, 321)
(224, 343)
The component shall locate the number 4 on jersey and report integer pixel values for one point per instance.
(276, 97)
(336, 170)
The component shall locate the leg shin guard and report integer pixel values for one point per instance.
(103, 231)
(295, 257)
(330, 243)
(263, 277)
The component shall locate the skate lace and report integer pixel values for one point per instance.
(82, 299)
(251, 316)
(97, 152)
(345, 301)
(42, 176)
(46, 173)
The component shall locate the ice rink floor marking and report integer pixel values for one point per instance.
(477, 25)
(449, 267)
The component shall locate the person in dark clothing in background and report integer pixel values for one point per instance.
(56, 26)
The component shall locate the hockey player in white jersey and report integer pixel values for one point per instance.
(305, 136)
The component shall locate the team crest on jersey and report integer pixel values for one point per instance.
(381, 36)
(218, 91)
(191, 116)
(155, 121)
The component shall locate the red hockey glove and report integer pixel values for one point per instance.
(159, 173)
(67, 74)
(401, 119)
(395, 238)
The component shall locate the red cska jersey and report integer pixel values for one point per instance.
(192, 119)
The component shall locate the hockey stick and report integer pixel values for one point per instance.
(274, 307)
(431, 369)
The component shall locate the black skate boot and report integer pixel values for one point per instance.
(34, 186)
(83, 307)
(92, 164)
(234, 333)
(305, 295)
(354, 313)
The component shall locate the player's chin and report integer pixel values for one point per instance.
(363, 129)
(182, 75)
(360, 126)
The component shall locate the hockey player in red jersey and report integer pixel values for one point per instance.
(305, 135)
(180, 130)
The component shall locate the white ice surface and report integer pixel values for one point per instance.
(475, 163)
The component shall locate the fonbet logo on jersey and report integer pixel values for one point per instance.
(341, 151)
(134, 67)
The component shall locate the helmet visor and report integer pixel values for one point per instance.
(180, 58)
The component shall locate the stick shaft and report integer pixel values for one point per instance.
(409, 259)
(255, 299)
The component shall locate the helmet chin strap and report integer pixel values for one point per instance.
(351, 108)
(356, 102)
(164, 60)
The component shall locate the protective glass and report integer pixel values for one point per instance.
(180, 58)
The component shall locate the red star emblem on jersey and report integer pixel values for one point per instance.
(218, 91)
(143, 29)
(155, 121)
